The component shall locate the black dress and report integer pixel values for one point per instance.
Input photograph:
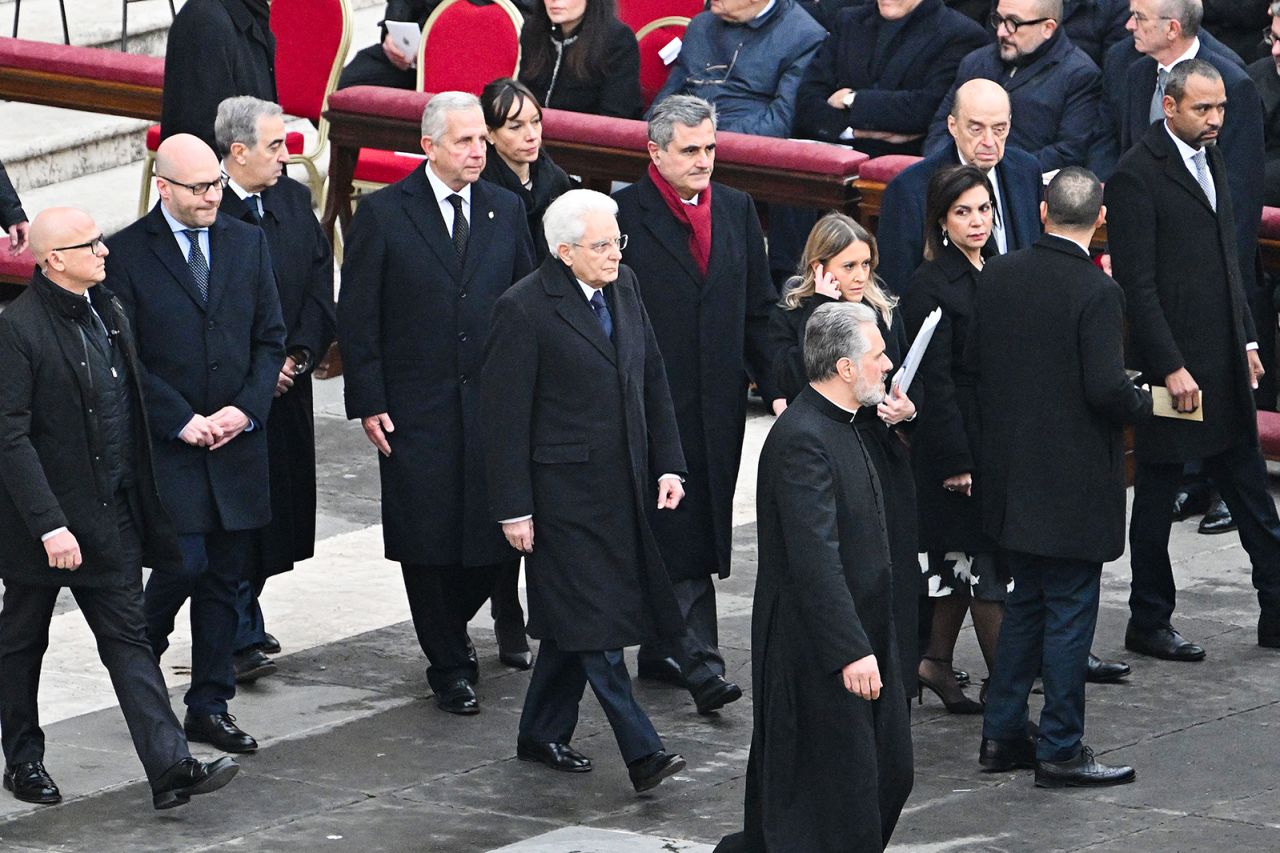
(612, 91)
(548, 180)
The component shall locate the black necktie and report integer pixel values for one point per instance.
(252, 202)
(602, 313)
(198, 265)
(460, 228)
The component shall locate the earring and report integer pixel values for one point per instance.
(945, 241)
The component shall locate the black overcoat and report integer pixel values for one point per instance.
(50, 442)
(198, 358)
(412, 322)
(1176, 260)
(11, 212)
(614, 91)
(549, 183)
(577, 428)
(1264, 76)
(709, 328)
(303, 263)
(1048, 348)
(828, 771)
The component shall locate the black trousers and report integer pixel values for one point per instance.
(504, 607)
(551, 703)
(698, 651)
(213, 565)
(1241, 477)
(370, 67)
(251, 629)
(442, 600)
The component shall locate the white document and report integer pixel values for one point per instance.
(670, 51)
(405, 35)
(902, 379)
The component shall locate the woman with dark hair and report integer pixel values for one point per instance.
(839, 263)
(964, 575)
(516, 160)
(576, 55)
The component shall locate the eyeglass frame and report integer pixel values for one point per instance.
(1012, 23)
(93, 246)
(603, 246)
(221, 184)
(1139, 18)
(707, 69)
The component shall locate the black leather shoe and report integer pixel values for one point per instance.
(647, 772)
(665, 670)
(31, 783)
(1083, 771)
(251, 665)
(218, 730)
(1164, 643)
(459, 698)
(190, 777)
(1106, 671)
(997, 756)
(270, 646)
(516, 660)
(557, 756)
(1187, 504)
(1217, 519)
(714, 694)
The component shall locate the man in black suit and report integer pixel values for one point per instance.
(384, 63)
(579, 434)
(198, 289)
(1173, 250)
(1095, 25)
(78, 509)
(1265, 74)
(251, 138)
(699, 257)
(12, 217)
(1048, 345)
(426, 259)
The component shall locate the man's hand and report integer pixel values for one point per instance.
(962, 483)
(896, 407)
(395, 55)
(519, 535)
(63, 551)
(285, 380)
(18, 233)
(375, 429)
(837, 97)
(1255, 368)
(670, 493)
(1184, 390)
(200, 432)
(779, 406)
(232, 421)
(862, 678)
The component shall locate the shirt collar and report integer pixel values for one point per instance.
(441, 189)
(241, 192)
(766, 10)
(1082, 246)
(692, 202)
(990, 173)
(1185, 151)
(174, 225)
(1190, 54)
(587, 290)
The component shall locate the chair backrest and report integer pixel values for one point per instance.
(637, 14)
(653, 37)
(312, 40)
(465, 45)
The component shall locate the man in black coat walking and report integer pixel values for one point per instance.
(79, 508)
(1047, 344)
(579, 433)
(1173, 250)
(251, 139)
(698, 254)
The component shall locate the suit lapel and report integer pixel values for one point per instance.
(721, 241)
(420, 207)
(482, 228)
(670, 235)
(1142, 86)
(628, 329)
(165, 247)
(222, 248)
(1176, 169)
(574, 310)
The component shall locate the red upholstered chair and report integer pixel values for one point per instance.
(15, 270)
(1269, 227)
(1269, 434)
(653, 37)
(637, 14)
(882, 170)
(464, 46)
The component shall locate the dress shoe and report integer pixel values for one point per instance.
(1189, 503)
(218, 730)
(1163, 642)
(516, 660)
(1083, 771)
(557, 756)
(714, 694)
(459, 698)
(270, 645)
(1106, 671)
(665, 670)
(997, 756)
(31, 783)
(189, 777)
(251, 665)
(471, 653)
(647, 772)
(1217, 519)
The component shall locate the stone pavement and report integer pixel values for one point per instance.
(356, 757)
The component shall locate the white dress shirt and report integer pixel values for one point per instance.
(442, 191)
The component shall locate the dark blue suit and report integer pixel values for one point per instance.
(1095, 25)
(900, 234)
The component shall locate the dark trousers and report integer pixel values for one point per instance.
(370, 67)
(551, 703)
(251, 630)
(698, 651)
(442, 600)
(508, 615)
(1047, 630)
(1240, 475)
(213, 565)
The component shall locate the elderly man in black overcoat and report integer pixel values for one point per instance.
(425, 261)
(699, 256)
(579, 437)
(1173, 249)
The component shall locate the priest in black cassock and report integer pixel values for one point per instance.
(830, 765)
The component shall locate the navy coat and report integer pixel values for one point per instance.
(1095, 25)
(1264, 76)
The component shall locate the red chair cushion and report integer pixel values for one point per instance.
(637, 13)
(885, 169)
(308, 37)
(89, 62)
(653, 71)
(1270, 225)
(15, 269)
(1269, 433)
(467, 46)
(380, 101)
(385, 167)
(293, 140)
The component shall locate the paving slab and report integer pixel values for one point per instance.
(602, 841)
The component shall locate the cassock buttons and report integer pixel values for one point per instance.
(463, 379)
(462, 336)
(213, 366)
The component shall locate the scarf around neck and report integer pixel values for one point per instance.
(695, 218)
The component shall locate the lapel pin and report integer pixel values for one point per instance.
(491, 214)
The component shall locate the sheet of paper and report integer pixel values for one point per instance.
(911, 363)
(1163, 406)
(670, 51)
(405, 35)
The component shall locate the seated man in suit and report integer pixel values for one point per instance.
(1053, 86)
(1266, 76)
(384, 63)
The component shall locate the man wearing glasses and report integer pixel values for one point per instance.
(200, 294)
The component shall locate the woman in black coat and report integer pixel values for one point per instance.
(839, 263)
(963, 573)
(578, 56)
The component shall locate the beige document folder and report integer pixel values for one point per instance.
(1162, 405)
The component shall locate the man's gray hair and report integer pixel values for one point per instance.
(565, 219)
(832, 333)
(1274, 9)
(435, 116)
(686, 110)
(1073, 198)
(1049, 9)
(1188, 14)
(237, 121)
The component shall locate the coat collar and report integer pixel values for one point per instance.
(1063, 245)
(823, 406)
(954, 264)
(165, 247)
(558, 282)
(660, 222)
(1044, 59)
(1162, 147)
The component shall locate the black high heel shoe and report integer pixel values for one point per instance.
(963, 705)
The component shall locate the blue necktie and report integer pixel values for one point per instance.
(602, 314)
(198, 265)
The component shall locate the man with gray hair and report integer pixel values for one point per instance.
(830, 765)
(426, 259)
(699, 257)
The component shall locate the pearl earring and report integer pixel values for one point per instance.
(945, 241)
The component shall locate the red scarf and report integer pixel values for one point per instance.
(696, 218)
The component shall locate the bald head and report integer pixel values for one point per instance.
(63, 242)
(980, 121)
(183, 153)
(60, 226)
(182, 162)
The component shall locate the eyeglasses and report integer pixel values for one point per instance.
(94, 246)
(603, 246)
(716, 75)
(200, 188)
(1139, 18)
(1011, 23)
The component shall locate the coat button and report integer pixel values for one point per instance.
(212, 324)
(463, 379)
(462, 336)
(462, 294)
(213, 366)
